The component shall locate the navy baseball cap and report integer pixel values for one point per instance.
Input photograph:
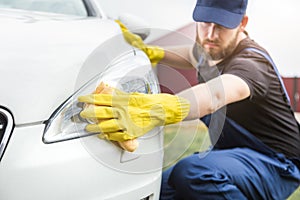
(227, 13)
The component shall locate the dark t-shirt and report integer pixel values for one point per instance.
(265, 113)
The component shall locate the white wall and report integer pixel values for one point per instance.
(276, 25)
(169, 14)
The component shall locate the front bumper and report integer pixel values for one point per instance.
(31, 169)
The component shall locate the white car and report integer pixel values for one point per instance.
(51, 52)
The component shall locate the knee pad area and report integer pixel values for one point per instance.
(196, 170)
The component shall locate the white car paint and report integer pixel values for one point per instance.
(41, 56)
(46, 62)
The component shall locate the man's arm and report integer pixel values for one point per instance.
(208, 97)
(125, 116)
(179, 57)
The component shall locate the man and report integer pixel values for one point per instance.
(257, 148)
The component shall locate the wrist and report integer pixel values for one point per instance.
(175, 108)
(154, 53)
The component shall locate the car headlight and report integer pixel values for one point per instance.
(128, 73)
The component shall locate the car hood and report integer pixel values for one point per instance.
(41, 56)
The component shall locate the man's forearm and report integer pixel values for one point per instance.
(178, 57)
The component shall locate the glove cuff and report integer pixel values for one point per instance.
(181, 110)
(155, 54)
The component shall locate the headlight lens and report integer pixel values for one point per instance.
(129, 73)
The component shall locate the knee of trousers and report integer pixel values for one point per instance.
(192, 170)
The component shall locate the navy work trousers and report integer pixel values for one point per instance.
(238, 167)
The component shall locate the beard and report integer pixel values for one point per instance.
(215, 54)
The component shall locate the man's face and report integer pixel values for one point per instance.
(216, 41)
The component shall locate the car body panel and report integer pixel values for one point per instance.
(46, 61)
(28, 165)
(38, 59)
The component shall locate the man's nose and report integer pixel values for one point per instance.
(212, 31)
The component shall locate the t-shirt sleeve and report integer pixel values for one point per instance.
(254, 73)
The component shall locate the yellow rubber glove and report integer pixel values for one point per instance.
(154, 53)
(124, 116)
(128, 145)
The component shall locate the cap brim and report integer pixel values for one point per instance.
(218, 16)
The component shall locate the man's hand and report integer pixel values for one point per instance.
(128, 145)
(123, 116)
(154, 53)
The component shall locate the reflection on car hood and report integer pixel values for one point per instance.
(41, 55)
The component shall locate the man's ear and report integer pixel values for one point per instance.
(244, 23)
